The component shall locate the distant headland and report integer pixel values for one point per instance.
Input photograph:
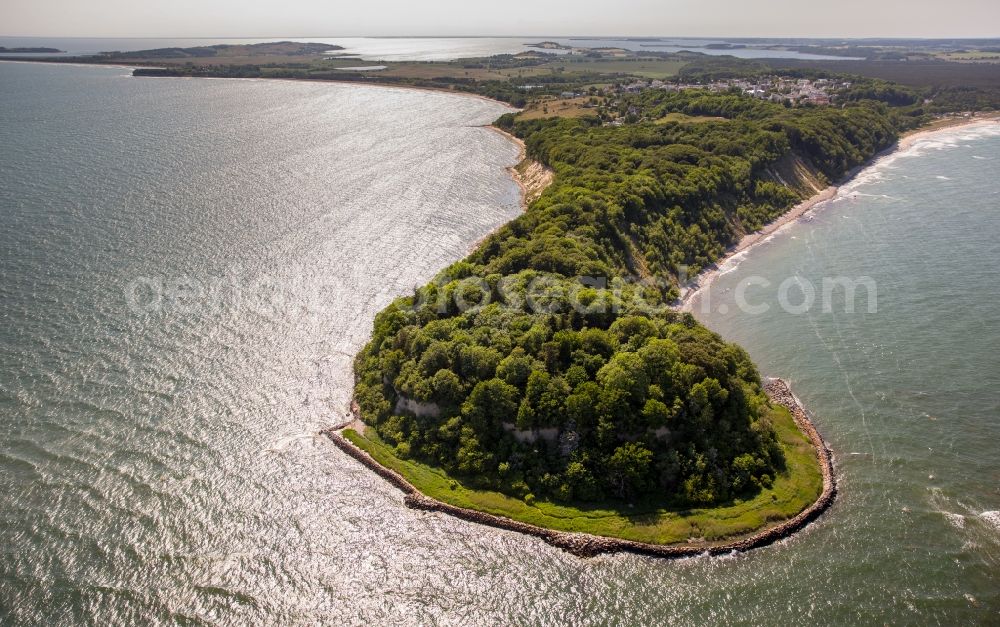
(4, 50)
(226, 52)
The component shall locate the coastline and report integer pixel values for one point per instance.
(373, 83)
(530, 175)
(69, 63)
(694, 287)
(587, 545)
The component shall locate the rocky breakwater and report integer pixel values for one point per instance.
(585, 545)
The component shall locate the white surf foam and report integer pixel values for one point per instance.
(956, 520)
(991, 517)
(733, 262)
(945, 139)
(282, 443)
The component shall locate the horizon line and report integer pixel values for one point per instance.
(587, 37)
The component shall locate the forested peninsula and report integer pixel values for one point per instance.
(548, 368)
(548, 379)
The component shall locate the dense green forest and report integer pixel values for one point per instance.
(548, 364)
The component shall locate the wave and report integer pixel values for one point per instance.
(733, 263)
(956, 520)
(943, 139)
(875, 173)
(283, 443)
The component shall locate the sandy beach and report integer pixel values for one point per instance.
(704, 279)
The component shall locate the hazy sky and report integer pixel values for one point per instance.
(301, 18)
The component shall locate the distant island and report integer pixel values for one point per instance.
(4, 50)
(549, 45)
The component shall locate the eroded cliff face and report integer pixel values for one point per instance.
(415, 407)
(533, 177)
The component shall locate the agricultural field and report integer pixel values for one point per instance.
(433, 70)
(973, 56)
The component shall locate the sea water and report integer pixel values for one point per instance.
(187, 268)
